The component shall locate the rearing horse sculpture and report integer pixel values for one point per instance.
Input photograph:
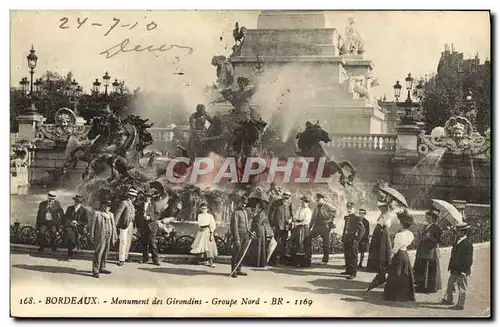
(309, 143)
(108, 143)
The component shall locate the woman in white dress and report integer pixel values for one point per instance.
(301, 245)
(204, 244)
(400, 285)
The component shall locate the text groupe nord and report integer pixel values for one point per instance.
(227, 168)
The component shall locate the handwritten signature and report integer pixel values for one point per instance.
(123, 47)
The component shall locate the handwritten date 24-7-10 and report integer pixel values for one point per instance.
(81, 22)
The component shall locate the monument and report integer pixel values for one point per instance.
(306, 71)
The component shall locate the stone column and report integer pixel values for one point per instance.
(407, 141)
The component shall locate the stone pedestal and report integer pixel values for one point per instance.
(407, 141)
(305, 77)
(28, 123)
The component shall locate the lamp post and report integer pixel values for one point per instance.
(96, 87)
(408, 104)
(24, 85)
(32, 61)
(74, 92)
(116, 86)
(105, 80)
(470, 111)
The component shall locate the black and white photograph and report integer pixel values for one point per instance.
(250, 164)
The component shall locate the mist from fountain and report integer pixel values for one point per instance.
(427, 167)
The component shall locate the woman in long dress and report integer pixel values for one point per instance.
(380, 246)
(400, 280)
(204, 243)
(257, 255)
(301, 247)
(426, 268)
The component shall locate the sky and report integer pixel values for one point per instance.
(397, 43)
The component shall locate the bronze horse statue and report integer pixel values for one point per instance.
(309, 143)
(108, 143)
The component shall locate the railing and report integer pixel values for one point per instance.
(174, 243)
(380, 142)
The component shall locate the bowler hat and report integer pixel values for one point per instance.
(405, 217)
(350, 204)
(320, 196)
(78, 198)
(287, 195)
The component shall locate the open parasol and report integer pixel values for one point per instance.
(395, 194)
(448, 211)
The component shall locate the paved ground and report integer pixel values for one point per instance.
(331, 295)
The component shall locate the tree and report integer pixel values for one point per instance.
(446, 96)
(51, 96)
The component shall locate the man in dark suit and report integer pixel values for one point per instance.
(240, 230)
(145, 215)
(280, 217)
(322, 224)
(49, 217)
(352, 235)
(459, 267)
(76, 221)
(363, 244)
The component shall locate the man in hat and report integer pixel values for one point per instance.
(125, 216)
(240, 231)
(322, 224)
(352, 235)
(76, 221)
(103, 235)
(280, 217)
(49, 217)
(363, 244)
(146, 214)
(459, 267)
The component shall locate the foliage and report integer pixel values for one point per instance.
(51, 97)
(446, 95)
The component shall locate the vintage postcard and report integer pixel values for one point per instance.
(272, 163)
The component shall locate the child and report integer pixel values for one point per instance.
(459, 267)
(204, 243)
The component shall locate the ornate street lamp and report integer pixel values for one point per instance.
(96, 87)
(24, 85)
(408, 104)
(105, 80)
(397, 90)
(116, 86)
(420, 89)
(471, 111)
(32, 61)
(409, 85)
(37, 85)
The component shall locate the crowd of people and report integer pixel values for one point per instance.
(271, 232)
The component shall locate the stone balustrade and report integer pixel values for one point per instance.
(381, 142)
